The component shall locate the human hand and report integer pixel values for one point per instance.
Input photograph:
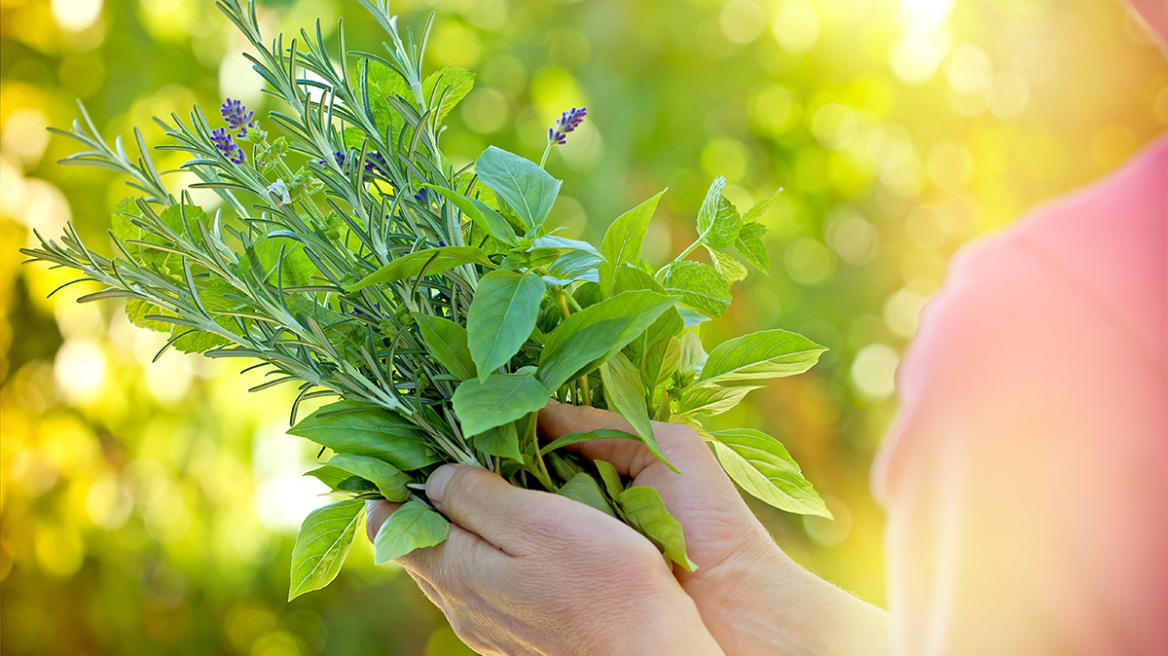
(529, 572)
(751, 596)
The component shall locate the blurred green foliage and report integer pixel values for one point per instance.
(151, 508)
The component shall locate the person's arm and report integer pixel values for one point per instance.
(526, 572)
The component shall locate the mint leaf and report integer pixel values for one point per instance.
(452, 85)
(749, 243)
(700, 286)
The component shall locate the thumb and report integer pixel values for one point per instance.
(508, 517)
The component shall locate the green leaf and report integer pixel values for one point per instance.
(447, 342)
(749, 243)
(700, 286)
(644, 510)
(322, 544)
(283, 260)
(527, 188)
(588, 436)
(563, 243)
(501, 441)
(365, 430)
(693, 356)
(765, 354)
(390, 482)
(718, 220)
(624, 393)
(762, 466)
(480, 214)
(455, 83)
(758, 209)
(500, 399)
(501, 317)
(137, 311)
(583, 488)
(573, 266)
(660, 362)
(611, 478)
(730, 268)
(413, 526)
(431, 260)
(711, 400)
(330, 476)
(622, 241)
(385, 82)
(576, 344)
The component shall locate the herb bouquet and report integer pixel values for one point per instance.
(350, 258)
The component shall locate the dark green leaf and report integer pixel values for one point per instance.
(528, 189)
(413, 526)
(389, 480)
(598, 434)
(763, 467)
(481, 215)
(501, 317)
(644, 510)
(322, 544)
(365, 430)
(765, 354)
(447, 343)
(432, 260)
(500, 399)
(501, 441)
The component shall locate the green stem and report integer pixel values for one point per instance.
(584, 395)
(543, 160)
(541, 471)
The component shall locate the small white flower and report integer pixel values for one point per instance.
(280, 190)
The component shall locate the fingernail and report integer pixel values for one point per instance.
(436, 484)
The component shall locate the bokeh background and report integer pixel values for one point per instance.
(150, 509)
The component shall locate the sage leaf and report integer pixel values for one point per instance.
(643, 509)
(389, 480)
(761, 465)
(501, 317)
(622, 241)
(430, 261)
(500, 399)
(447, 342)
(764, 354)
(527, 188)
(366, 430)
(583, 488)
(700, 286)
(501, 441)
(626, 395)
(322, 544)
(587, 436)
(413, 526)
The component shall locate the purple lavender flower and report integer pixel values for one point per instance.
(237, 116)
(421, 197)
(568, 121)
(226, 145)
(375, 163)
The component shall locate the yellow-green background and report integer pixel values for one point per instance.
(148, 509)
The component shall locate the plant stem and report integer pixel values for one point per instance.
(543, 160)
(541, 468)
(584, 396)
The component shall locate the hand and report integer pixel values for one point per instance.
(529, 572)
(751, 596)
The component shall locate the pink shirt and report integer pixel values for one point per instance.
(1026, 476)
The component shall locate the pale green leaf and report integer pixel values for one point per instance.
(626, 395)
(765, 354)
(322, 544)
(583, 488)
(758, 209)
(730, 268)
(644, 510)
(761, 465)
(749, 243)
(413, 526)
(610, 476)
(527, 188)
(709, 400)
(501, 317)
(700, 286)
(622, 241)
(480, 214)
(452, 85)
(588, 436)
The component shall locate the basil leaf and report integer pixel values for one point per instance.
(527, 188)
(700, 286)
(761, 465)
(501, 317)
(598, 434)
(611, 478)
(643, 509)
(390, 481)
(447, 342)
(431, 260)
(502, 441)
(365, 430)
(500, 399)
(764, 354)
(330, 476)
(480, 214)
(573, 266)
(413, 526)
(626, 395)
(622, 241)
(563, 243)
(322, 544)
(583, 488)
(711, 399)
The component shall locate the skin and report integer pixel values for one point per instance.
(529, 572)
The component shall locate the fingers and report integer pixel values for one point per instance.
(376, 512)
(681, 445)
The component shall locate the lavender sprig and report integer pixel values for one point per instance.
(558, 133)
(226, 145)
(237, 116)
